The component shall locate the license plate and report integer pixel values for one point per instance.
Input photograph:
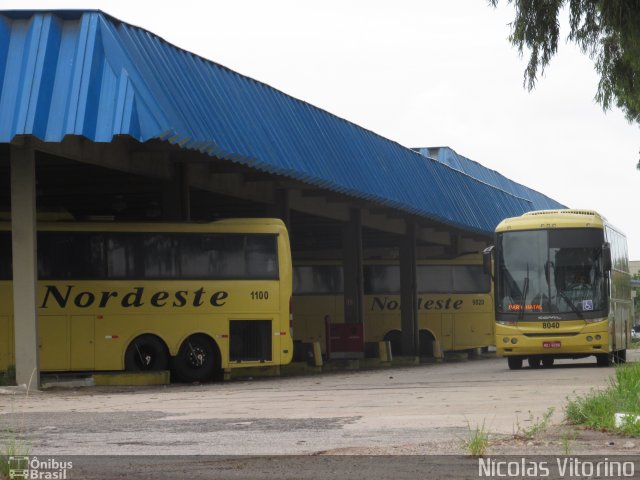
(551, 344)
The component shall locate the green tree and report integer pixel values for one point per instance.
(606, 30)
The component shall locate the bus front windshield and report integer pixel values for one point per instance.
(551, 271)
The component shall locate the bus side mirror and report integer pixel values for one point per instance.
(606, 257)
(487, 254)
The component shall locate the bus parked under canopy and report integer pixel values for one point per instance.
(455, 304)
(197, 298)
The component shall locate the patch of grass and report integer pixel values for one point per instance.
(478, 441)
(8, 377)
(598, 408)
(567, 438)
(538, 425)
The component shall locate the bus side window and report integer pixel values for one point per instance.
(435, 279)
(470, 279)
(381, 279)
(317, 279)
(261, 256)
(66, 255)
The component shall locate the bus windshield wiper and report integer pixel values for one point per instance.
(525, 289)
(570, 303)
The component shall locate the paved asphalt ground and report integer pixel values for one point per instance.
(422, 410)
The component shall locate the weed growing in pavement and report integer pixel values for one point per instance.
(538, 425)
(567, 438)
(478, 441)
(598, 408)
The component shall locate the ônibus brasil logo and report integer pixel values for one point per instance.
(23, 467)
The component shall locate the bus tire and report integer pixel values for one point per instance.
(534, 362)
(604, 360)
(198, 359)
(515, 363)
(146, 353)
(547, 362)
(395, 338)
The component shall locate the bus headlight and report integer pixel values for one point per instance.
(589, 338)
(598, 337)
(514, 340)
(505, 339)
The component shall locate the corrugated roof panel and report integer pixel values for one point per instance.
(86, 73)
(449, 157)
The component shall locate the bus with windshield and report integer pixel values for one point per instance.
(455, 303)
(198, 299)
(562, 288)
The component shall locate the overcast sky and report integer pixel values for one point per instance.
(422, 73)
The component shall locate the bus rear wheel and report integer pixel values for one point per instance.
(547, 362)
(427, 341)
(515, 363)
(395, 338)
(146, 353)
(198, 359)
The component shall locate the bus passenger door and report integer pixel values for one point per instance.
(82, 343)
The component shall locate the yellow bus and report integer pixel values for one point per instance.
(562, 288)
(455, 303)
(197, 298)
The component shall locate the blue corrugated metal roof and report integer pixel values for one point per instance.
(478, 171)
(86, 73)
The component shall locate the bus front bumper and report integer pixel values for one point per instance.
(591, 343)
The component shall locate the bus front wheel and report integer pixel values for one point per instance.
(515, 363)
(198, 359)
(604, 360)
(534, 362)
(147, 353)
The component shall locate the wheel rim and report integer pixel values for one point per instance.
(196, 356)
(145, 357)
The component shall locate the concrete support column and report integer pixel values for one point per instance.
(409, 292)
(176, 196)
(185, 192)
(23, 233)
(280, 209)
(352, 261)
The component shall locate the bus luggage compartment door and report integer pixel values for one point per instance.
(82, 344)
(250, 341)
